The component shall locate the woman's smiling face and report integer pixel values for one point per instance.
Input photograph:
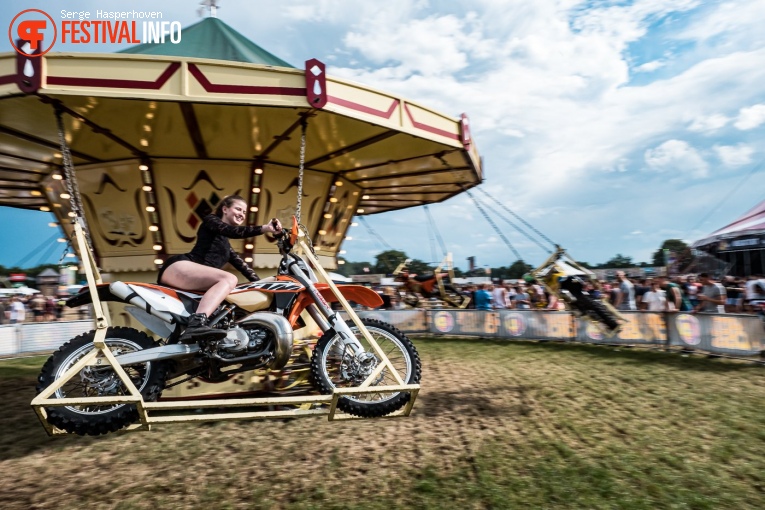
(235, 214)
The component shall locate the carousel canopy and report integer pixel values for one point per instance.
(158, 138)
(750, 226)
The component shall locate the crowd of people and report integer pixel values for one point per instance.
(36, 308)
(689, 293)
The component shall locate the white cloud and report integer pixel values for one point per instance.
(734, 155)
(709, 123)
(751, 117)
(676, 156)
(649, 67)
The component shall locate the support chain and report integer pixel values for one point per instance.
(301, 168)
(494, 226)
(70, 180)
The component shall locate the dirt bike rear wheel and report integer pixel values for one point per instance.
(330, 369)
(149, 378)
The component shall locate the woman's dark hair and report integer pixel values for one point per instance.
(226, 202)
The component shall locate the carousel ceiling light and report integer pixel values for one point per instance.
(144, 142)
(354, 224)
(258, 171)
(359, 211)
(65, 196)
(35, 193)
(322, 232)
(248, 260)
(150, 208)
(256, 190)
(328, 216)
(333, 200)
(146, 188)
(248, 246)
(157, 247)
(349, 238)
(53, 224)
(61, 239)
(143, 166)
(253, 209)
(71, 214)
(338, 183)
(71, 255)
(158, 261)
(341, 252)
(57, 177)
(153, 228)
(341, 262)
(365, 197)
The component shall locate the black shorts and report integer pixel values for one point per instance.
(170, 261)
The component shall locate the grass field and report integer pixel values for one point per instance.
(497, 425)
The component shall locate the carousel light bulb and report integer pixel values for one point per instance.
(341, 262)
(342, 252)
(146, 127)
(248, 246)
(150, 208)
(253, 209)
(338, 183)
(248, 260)
(53, 224)
(71, 255)
(57, 176)
(144, 142)
(333, 200)
(143, 166)
(322, 232)
(150, 115)
(61, 240)
(153, 228)
(65, 196)
(349, 238)
(146, 188)
(157, 247)
(158, 261)
(359, 211)
(328, 216)
(354, 224)
(71, 214)
(365, 197)
(258, 171)
(35, 193)
(256, 190)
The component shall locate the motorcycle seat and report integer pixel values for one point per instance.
(424, 277)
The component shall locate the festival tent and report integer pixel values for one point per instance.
(741, 243)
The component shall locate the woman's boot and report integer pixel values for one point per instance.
(197, 329)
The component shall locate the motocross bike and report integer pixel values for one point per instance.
(427, 286)
(259, 319)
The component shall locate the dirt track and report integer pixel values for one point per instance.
(464, 408)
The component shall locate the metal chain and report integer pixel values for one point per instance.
(70, 180)
(304, 124)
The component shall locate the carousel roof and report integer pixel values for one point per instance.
(211, 38)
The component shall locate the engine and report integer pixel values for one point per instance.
(244, 340)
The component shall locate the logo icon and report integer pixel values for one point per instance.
(515, 324)
(33, 27)
(443, 321)
(688, 329)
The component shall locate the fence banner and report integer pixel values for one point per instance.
(740, 335)
(641, 328)
(464, 322)
(538, 325)
(408, 321)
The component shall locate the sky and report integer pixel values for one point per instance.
(610, 126)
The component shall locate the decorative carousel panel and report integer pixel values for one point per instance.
(187, 191)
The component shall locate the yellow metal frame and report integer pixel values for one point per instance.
(308, 405)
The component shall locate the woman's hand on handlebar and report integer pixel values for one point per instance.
(274, 226)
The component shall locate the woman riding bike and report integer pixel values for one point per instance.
(200, 269)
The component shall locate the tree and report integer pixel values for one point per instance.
(681, 252)
(617, 261)
(351, 268)
(417, 266)
(388, 261)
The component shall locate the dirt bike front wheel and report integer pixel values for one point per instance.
(94, 381)
(333, 365)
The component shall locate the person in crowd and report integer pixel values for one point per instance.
(3, 317)
(200, 269)
(655, 300)
(482, 298)
(498, 297)
(38, 308)
(18, 311)
(626, 298)
(691, 289)
(754, 291)
(734, 291)
(643, 286)
(522, 301)
(676, 299)
(509, 295)
(712, 297)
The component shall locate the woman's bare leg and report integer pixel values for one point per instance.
(188, 275)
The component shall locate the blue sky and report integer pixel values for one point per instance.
(609, 126)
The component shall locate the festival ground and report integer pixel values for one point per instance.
(496, 425)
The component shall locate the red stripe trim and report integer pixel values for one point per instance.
(429, 129)
(114, 83)
(9, 78)
(242, 89)
(365, 109)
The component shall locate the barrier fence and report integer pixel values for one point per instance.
(39, 336)
(729, 334)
